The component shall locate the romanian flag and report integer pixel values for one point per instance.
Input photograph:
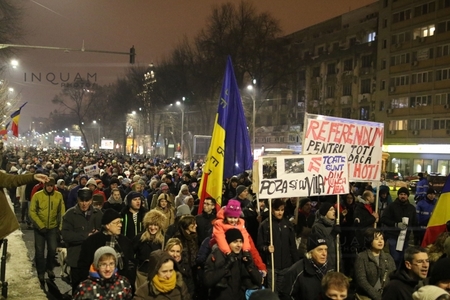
(15, 116)
(440, 216)
(230, 152)
(4, 131)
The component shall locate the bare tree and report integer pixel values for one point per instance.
(77, 99)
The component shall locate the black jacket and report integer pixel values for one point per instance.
(363, 220)
(301, 281)
(142, 252)
(401, 287)
(129, 228)
(238, 277)
(394, 213)
(283, 233)
(204, 225)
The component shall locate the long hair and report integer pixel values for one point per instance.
(153, 217)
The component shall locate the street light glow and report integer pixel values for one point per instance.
(249, 87)
(14, 63)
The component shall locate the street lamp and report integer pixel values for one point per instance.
(181, 105)
(252, 90)
(98, 134)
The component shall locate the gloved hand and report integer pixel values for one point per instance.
(336, 229)
(43, 230)
(401, 225)
(229, 260)
(246, 258)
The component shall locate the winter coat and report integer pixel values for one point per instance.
(286, 253)
(129, 228)
(323, 227)
(363, 220)
(400, 287)
(142, 251)
(204, 225)
(8, 219)
(424, 209)
(179, 199)
(116, 205)
(168, 212)
(76, 229)
(421, 189)
(301, 281)
(237, 278)
(219, 229)
(47, 210)
(367, 272)
(394, 214)
(148, 291)
(190, 246)
(95, 287)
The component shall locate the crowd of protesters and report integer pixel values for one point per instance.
(132, 229)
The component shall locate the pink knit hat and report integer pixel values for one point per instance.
(233, 209)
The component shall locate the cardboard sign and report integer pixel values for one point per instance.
(92, 170)
(362, 141)
(303, 175)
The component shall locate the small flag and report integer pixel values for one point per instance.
(229, 152)
(4, 131)
(440, 216)
(15, 116)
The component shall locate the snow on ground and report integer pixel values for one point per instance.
(23, 284)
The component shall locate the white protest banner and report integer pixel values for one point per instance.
(91, 170)
(303, 175)
(362, 141)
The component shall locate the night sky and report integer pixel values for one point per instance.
(154, 27)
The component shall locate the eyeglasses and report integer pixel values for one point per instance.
(117, 222)
(104, 265)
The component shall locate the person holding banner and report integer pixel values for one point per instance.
(325, 227)
(303, 279)
(400, 217)
(284, 247)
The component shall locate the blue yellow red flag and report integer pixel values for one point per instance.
(440, 216)
(4, 131)
(15, 116)
(229, 152)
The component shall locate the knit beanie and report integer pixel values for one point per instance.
(429, 292)
(315, 241)
(91, 181)
(303, 202)
(109, 215)
(103, 250)
(403, 190)
(233, 234)
(233, 209)
(431, 191)
(131, 195)
(182, 210)
(440, 271)
(324, 208)
(240, 189)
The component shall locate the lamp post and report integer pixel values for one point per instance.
(252, 90)
(182, 127)
(98, 134)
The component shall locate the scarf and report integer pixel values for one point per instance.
(113, 243)
(165, 285)
(369, 207)
(321, 271)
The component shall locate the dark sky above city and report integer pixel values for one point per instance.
(154, 27)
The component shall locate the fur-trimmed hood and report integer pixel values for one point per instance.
(154, 217)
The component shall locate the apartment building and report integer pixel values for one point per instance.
(386, 62)
(413, 76)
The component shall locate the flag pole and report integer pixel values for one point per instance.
(377, 199)
(338, 222)
(272, 259)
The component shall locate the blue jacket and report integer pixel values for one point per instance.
(421, 190)
(424, 210)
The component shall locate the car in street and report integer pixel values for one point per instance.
(412, 177)
(394, 176)
(413, 185)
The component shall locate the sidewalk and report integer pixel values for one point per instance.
(23, 284)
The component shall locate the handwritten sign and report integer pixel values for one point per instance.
(362, 141)
(91, 170)
(303, 175)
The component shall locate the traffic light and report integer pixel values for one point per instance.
(132, 55)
